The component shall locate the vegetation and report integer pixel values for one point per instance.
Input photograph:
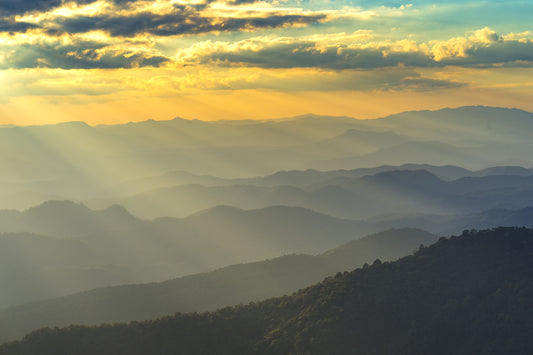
(236, 284)
(464, 295)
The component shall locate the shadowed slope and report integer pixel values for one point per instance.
(464, 295)
(227, 286)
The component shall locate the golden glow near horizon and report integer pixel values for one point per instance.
(110, 62)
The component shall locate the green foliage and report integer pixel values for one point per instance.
(463, 295)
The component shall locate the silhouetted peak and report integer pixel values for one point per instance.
(52, 206)
(185, 120)
(67, 125)
(118, 211)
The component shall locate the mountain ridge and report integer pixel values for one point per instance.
(475, 289)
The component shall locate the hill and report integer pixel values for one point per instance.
(110, 246)
(242, 283)
(464, 295)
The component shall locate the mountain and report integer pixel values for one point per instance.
(453, 224)
(464, 295)
(505, 170)
(37, 267)
(476, 124)
(231, 285)
(66, 219)
(348, 195)
(418, 152)
(60, 248)
(110, 246)
(79, 162)
(297, 178)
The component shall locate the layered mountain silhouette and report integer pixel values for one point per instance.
(348, 195)
(112, 246)
(464, 295)
(231, 285)
(78, 162)
(89, 215)
(61, 247)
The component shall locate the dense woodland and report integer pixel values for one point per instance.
(470, 294)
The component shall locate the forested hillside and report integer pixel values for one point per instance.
(231, 285)
(464, 295)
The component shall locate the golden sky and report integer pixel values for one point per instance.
(112, 61)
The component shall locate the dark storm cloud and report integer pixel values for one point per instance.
(80, 55)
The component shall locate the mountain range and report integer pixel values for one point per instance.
(241, 283)
(348, 194)
(75, 161)
(61, 247)
(464, 295)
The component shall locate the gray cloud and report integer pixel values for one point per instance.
(499, 52)
(9, 25)
(79, 55)
(15, 7)
(383, 80)
(184, 21)
(306, 55)
(19, 7)
(309, 54)
(418, 83)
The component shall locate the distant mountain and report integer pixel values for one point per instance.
(476, 124)
(298, 178)
(504, 170)
(464, 295)
(349, 195)
(355, 141)
(418, 152)
(111, 246)
(78, 162)
(35, 267)
(227, 286)
(66, 219)
(453, 224)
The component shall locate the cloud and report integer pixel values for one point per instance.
(129, 18)
(9, 25)
(185, 21)
(78, 54)
(14, 7)
(483, 48)
(348, 80)
(21, 7)
(312, 52)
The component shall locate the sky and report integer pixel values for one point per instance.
(114, 61)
